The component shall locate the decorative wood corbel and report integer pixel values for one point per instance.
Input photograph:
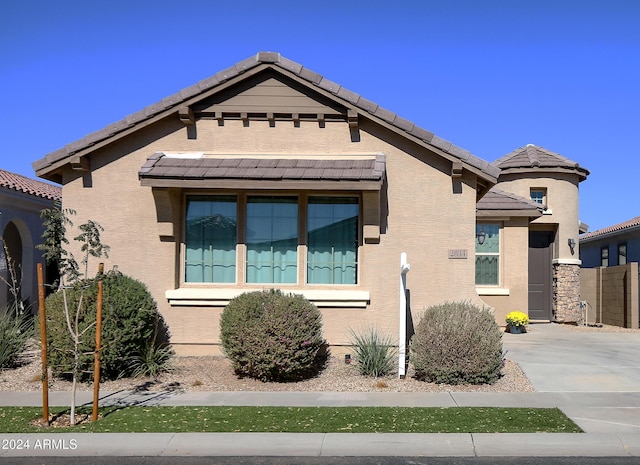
(80, 163)
(186, 116)
(456, 170)
(352, 118)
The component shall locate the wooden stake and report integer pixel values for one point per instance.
(96, 364)
(43, 343)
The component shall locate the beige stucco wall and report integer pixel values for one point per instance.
(562, 203)
(428, 214)
(513, 291)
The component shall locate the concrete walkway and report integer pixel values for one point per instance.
(593, 378)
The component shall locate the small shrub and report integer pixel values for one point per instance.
(272, 337)
(15, 332)
(374, 352)
(457, 343)
(130, 324)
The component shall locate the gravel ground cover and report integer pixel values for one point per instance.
(214, 373)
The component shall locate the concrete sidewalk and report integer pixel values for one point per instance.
(555, 359)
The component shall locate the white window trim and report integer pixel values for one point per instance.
(493, 291)
(497, 287)
(220, 297)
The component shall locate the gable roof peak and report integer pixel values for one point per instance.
(47, 166)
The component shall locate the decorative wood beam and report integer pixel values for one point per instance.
(352, 117)
(456, 169)
(79, 163)
(186, 116)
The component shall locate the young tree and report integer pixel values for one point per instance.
(56, 221)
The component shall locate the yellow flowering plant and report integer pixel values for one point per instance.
(517, 318)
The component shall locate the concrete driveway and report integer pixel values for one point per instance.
(593, 376)
(557, 358)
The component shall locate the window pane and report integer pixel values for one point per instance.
(487, 269)
(488, 255)
(332, 228)
(538, 196)
(622, 254)
(272, 239)
(491, 238)
(210, 239)
(604, 256)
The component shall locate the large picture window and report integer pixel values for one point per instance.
(278, 239)
(210, 239)
(272, 239)
(488, 255)
(332, 240)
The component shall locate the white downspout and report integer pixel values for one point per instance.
(402, 335)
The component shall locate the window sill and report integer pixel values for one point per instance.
(220, 297)
(492, 291)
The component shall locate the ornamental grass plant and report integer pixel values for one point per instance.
(374, 352)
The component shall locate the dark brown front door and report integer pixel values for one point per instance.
(540, 275)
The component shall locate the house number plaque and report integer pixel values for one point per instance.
(457, 253)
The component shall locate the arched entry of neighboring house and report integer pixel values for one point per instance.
(540, 276)
(11, 268)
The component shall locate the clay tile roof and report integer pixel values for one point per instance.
(276, 60)
(620, 227)
(499, 201)
(533, 157)
(167, 167)
(29, 186)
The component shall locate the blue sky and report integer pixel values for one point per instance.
(489, 76)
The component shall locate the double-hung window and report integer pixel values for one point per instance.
(488, 254)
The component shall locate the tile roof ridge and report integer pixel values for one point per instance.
(275, 59)
(20, 183)
(633, 222)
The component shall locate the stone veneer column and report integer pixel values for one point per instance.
(566, 293)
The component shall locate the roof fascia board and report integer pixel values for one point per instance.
(509, 213)
(543, 169)
(609, 235)
(241, 184)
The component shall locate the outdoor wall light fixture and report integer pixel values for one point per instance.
(347, 358)
(572, 244)
(481, 237)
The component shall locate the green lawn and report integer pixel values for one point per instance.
(303, 420)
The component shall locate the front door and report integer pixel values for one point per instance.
(540, 275)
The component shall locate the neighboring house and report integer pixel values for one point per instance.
(269, 175)
(611, 246)
(21, 200)
(541, 211)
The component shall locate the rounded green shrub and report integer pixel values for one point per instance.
(457, 343)
(131, 325)
(272, 337)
